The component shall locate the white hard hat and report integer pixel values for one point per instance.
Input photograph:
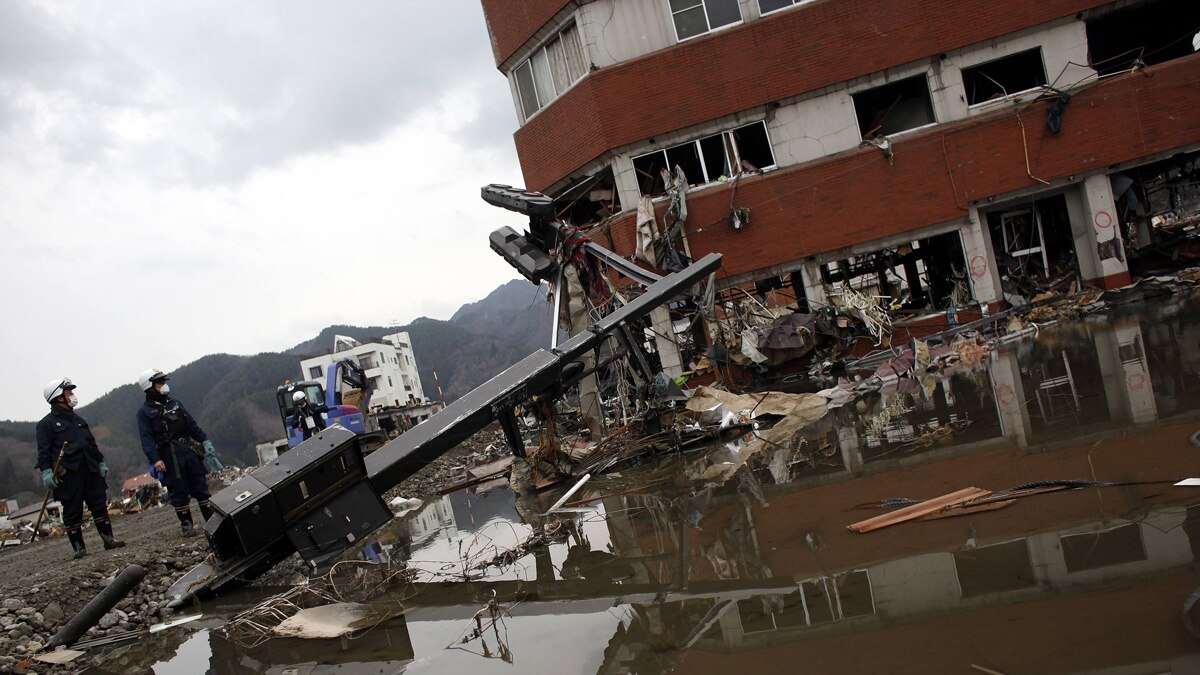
(149, 377)
(56, 388)
(299, 396)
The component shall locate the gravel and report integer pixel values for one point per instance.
(43, 586)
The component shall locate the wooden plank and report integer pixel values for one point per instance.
(968, 509)
(917, 510)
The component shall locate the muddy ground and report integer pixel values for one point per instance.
(42, 587)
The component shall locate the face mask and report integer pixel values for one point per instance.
(72, 401)
(166, 389)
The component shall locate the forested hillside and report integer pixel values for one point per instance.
(517, 311)
(233, 397)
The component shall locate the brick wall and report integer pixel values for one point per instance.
(512, 22)
(784, 55)
(856, 196)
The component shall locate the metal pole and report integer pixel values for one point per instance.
(556, 289)
(38, 525)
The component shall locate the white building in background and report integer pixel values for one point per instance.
(390, 368)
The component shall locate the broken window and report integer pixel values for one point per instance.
(752, 148)
(551, 70)
(1034, 246)
(588, 200)
(1158, 210)
(697, 17)
(708, 159)
(1150, 33)
(767, 6)
(820, 600)
(994, 569)
(894, 107)
(1004, 76)
(922, 275)
(1101, 549)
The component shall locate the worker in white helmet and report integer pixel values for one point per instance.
(176, 447)
(72, 466)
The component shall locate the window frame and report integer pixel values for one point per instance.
(1009, 96)
(733, 156)
(933, 112)
(707, 21)
(540, 57)
(791, 5)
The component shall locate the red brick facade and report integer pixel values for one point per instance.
(857, 196)
(512, 22)
(771, 59)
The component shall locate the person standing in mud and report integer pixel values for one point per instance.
(72, 466)
(177, 448)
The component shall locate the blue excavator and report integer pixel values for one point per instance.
(342, 400)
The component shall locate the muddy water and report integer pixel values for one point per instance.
(760, 574)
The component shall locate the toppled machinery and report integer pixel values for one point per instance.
(324, 497)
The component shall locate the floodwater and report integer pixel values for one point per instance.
(760, 574)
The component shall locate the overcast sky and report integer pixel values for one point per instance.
(186, 178)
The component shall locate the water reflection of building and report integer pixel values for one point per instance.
(1082, 377)
(971, 577)
(1079, 581)
(398, 540)
(762, 574)
(1097, 565)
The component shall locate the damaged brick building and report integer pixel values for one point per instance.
(943, 154)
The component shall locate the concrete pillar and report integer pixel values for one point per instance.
(1081, 234)
(1101, 243)
(1010, 396)
(731, 626)
(946, 90)
(814, 290)
(625, 182)
(1133, 372)
(981, 260)
(1046, 559)
(664, 342)
(589, 387)
(1111, 374)
(852, 457)
(623, 535)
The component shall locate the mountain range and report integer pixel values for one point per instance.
(233, 397)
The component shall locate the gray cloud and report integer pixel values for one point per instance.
(224, 88)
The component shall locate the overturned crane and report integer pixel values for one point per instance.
(324, 497)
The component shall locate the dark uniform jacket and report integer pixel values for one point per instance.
(297, 418)
(63, 430)
(161, 422)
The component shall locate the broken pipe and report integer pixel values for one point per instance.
(105, 600)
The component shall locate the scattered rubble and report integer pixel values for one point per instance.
(42, 587)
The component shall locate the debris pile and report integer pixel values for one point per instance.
(353, 596)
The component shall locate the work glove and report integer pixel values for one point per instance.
(210, 458)
(103, 470)
(48, 479)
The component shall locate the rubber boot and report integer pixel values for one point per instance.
(185, 521)
(76, 539)
(205, 510)
(104, 527)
